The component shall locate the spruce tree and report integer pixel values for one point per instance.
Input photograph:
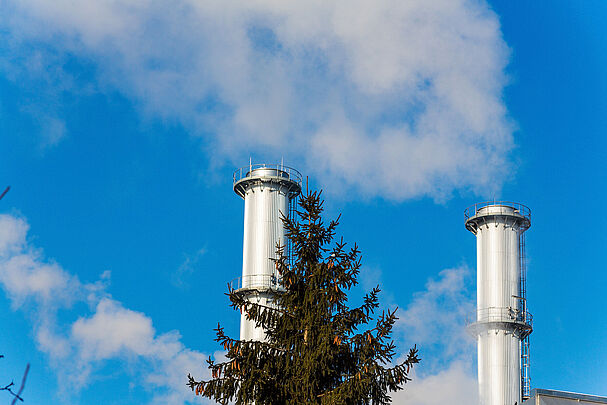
(318, 350)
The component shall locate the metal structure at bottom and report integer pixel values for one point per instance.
(269, 192)
(502, 322)
(553, 397)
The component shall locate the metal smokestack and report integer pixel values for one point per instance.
(268, 191)
(502, 322)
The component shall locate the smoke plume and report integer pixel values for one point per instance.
(386, 98)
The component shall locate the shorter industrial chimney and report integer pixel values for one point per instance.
(269, 191)
(502, 324)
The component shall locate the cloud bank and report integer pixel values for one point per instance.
(78, 350)
(435, 320)
(108, 331)
(387, 98)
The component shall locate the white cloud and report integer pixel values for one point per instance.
(435, 320)
(111, 330)
(454, 385)
(79, 350)
(397, 99)
(23, 274)
(437, 315)
(12, 234)
(190, 264)
(369, 277)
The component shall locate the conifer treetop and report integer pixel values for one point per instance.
(318, 349)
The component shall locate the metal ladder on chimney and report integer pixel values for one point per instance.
(525, 377)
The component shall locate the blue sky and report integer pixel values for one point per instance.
(121, 124)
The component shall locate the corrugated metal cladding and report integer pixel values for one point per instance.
(551, 397)
(267, 192)
(265, 202)
(263, 229)
(498, 229)
(498, 282)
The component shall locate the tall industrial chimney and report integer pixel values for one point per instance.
(268, 191)
(502, 322)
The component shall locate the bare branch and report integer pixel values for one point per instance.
(5, 191)
(17, 396)
(9, 387)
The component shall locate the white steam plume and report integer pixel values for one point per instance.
(399, 99)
